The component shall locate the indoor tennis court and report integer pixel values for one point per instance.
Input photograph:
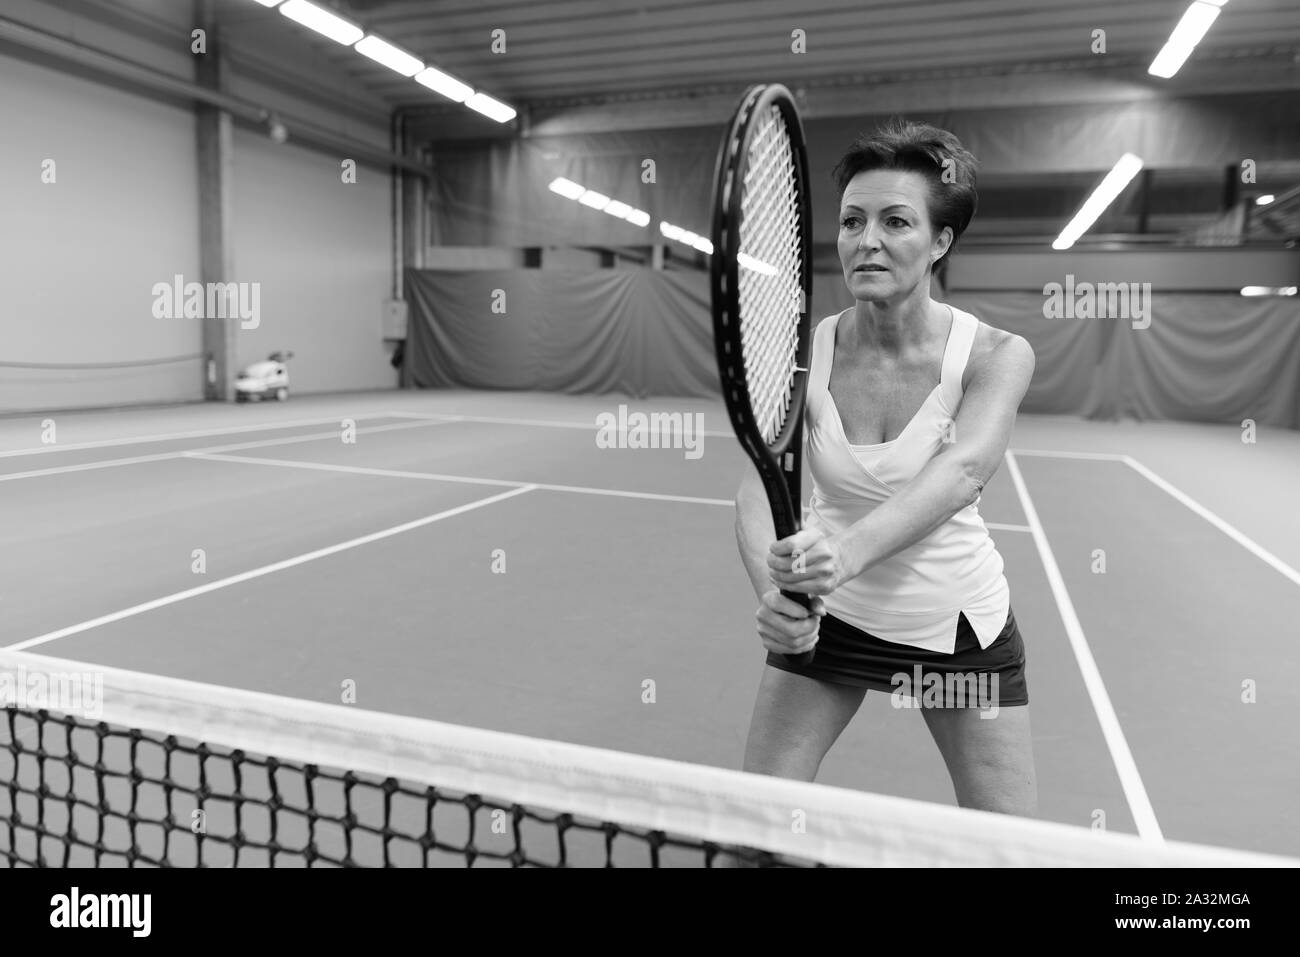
(498, 490)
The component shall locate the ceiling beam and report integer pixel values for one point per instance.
(823, 99)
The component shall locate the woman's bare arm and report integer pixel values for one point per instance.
(755, 530)
(956, 476)
(813, 564)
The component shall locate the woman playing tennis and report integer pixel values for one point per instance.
(910, 406)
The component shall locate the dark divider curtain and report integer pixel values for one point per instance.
(641, 332)
(636, 332)
(1203, 358)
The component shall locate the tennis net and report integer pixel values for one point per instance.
(42, 386)
(105, 767)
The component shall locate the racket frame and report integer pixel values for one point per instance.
(779, 464)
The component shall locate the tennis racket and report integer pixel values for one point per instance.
(761, 286)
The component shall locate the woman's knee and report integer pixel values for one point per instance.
(997, 787)
(991, 762)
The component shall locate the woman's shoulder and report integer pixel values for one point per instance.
(826, 325)
(993, 346)
(821, 356)
(823, 337)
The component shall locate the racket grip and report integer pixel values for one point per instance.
(806, 658)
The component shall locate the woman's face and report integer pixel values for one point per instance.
(886, 244)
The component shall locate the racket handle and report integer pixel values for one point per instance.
(806, 658)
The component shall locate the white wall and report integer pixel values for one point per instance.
(321, 250)
(79, 257)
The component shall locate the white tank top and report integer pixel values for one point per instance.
(914, 597)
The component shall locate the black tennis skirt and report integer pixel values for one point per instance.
(970, 677)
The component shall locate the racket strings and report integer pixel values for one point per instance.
(770, 274)
(769, 177)
(771, 280)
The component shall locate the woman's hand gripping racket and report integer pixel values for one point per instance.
(761, 287)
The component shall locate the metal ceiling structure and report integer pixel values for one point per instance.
(577, 66)
(562, 52)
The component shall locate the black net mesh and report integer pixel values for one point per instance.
(75, 793)
(104, 767)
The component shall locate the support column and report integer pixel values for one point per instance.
(216, 260)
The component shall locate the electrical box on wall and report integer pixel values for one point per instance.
(394, 319)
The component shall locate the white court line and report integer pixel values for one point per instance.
(162, 456)
(1240, 538)
(466, 479)
(1131, 781)
(1245, 541)
(264, 443)
(88, 466)
(1000, 527)
(1050, 454)
(193, 434)
(264, 570)
(552, 423)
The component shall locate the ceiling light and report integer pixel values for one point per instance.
(323, 22)
(381, 51)
(492, 109)
(566, 188)
(1191, 28)
(1125, 169)
(448, 86)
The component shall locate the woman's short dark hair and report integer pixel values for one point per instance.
(934, 153)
